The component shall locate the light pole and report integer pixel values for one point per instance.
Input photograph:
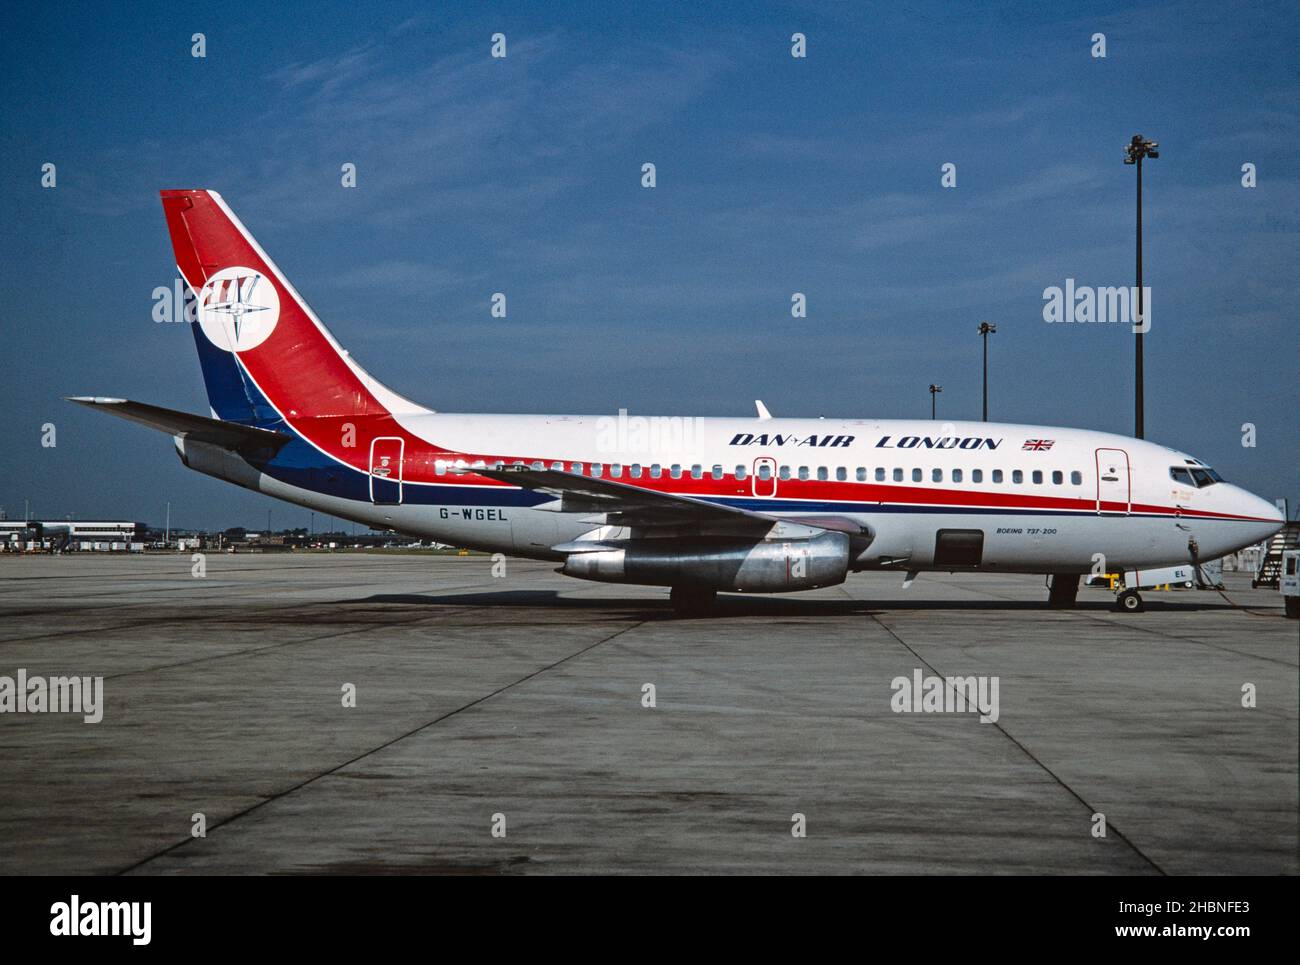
(934, 391)
(985, 331)
(1134, 152)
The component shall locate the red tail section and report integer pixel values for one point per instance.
(246, 307)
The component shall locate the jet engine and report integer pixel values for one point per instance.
(719, 563)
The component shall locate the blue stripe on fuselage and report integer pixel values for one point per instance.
(302, 465)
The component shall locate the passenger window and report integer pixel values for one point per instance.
(1038, 477)
(440, 467)
(785, 472)
(1076, 478)
(597, 469)
(898, 475)
(997, 475)
(539, 465)
(697, 472)
(558, 466)
(822, 474)
(862, 473)
(936, 475)
(636, 470)
(616, 470)
(977, 475)
(764, 471)
(717, 472)
(656, 470)
(842, 473)
(740, 473)
(803, 472)
(1017, 476)
(880, 474)
(956, 475)
(675, 470)
(1058, 477)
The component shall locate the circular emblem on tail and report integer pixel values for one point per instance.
(238, 309)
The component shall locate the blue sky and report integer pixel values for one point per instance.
(775, 175)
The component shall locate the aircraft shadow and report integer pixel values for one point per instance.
(733, 605)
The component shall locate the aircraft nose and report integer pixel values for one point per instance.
(1269, 516)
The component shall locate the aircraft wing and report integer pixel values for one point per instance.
(622, 505)
(228, 435)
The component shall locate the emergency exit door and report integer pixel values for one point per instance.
(386, 470)
(1114, 483)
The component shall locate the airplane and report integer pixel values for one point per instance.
(700, 505)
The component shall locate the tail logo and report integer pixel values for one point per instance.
(238, 309)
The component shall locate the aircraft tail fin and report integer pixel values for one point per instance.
(265, 355)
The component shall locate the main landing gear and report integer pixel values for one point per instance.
(690, 601)
(1063, 591)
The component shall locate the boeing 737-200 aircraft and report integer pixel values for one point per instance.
(759, 505)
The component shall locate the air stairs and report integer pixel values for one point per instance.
(1269, 573)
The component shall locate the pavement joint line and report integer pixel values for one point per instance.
(1121, 620)
(386, 744)
(255, 651)
(182, 619)
(1110, 826)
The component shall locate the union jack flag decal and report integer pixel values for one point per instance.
(1038, 445)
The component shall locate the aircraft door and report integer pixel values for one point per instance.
(1114, 482)
(386, 470)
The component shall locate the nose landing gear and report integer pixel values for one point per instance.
(1129, 601)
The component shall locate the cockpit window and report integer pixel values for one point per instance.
(1198, 476)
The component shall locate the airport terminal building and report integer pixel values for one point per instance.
(89, 534)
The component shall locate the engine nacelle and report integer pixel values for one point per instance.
(748, 566)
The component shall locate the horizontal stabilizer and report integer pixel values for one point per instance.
(228, 435)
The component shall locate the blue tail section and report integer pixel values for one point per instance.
(232, 397)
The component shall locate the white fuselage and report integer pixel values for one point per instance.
(1042, 499)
